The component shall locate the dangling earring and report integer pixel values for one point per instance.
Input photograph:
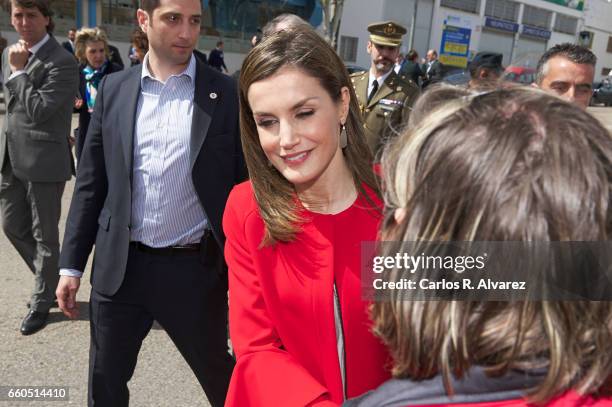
(343, 137)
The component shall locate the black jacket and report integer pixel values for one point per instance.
(100, 211)
(84, 115)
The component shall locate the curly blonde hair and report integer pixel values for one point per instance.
(86, 35)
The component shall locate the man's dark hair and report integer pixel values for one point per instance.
(573, 52)
(149, 5)
(43, 6)
(219, 43)
(412, 55)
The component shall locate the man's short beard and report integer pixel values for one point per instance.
(381, 66)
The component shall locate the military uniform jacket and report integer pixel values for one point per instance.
(388, 109)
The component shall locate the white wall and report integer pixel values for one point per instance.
(424, 26)
(400, 11)
(357, 15)
(600, 44)
(598, 19)
(598, 14)
(558, 38)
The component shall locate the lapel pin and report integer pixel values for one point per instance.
(213, 95)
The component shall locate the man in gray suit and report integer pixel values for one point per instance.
(40, 83)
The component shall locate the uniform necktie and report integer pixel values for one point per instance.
(374, 89)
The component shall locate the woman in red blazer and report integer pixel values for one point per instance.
(298, 325)
(496, 169)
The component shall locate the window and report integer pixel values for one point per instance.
(609, 49)
(565, 24)
(502, 9)
(536, 17)
(471, 6)
(348, 48)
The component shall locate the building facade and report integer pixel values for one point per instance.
(519, 29)
(458, 29)
(233, 21)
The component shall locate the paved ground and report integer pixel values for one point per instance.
(57, 356)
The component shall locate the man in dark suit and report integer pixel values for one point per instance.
(432, 68)
(40, 81)
(160, 158)
(216, 59)
(69, 45)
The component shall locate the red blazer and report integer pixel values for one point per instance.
(282, 310)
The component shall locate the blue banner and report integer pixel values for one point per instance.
(536, 32)
(501, 25)
(455, 46)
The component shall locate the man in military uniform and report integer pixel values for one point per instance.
(385, 98)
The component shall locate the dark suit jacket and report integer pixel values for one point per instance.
(38, 115)
(100, 211)
(84, 115)
(68, 47)
(114, 56)
(412, 71)
(434, 74)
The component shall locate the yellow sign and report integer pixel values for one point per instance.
(453, 60)
(454, 48)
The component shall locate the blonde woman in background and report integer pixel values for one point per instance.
(91, 50)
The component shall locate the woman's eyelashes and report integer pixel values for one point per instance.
(267, 122)
(305, 113)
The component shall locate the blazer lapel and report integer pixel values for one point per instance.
(204, 101)
(43, 54)
(129, 93)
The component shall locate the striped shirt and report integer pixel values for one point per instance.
(166, 210)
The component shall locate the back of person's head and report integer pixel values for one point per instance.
(486, 64)
(572, 52)
(284, 21)
(140, 40)
(44, 6)
(304, 49)
(86, 35)
(508, 165)
(412, 55)
(437, 95)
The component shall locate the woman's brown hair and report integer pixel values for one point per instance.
(507, 165)
(304, 49)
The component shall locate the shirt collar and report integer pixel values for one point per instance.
(189, 71)
(34, 49)
(381, 80)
